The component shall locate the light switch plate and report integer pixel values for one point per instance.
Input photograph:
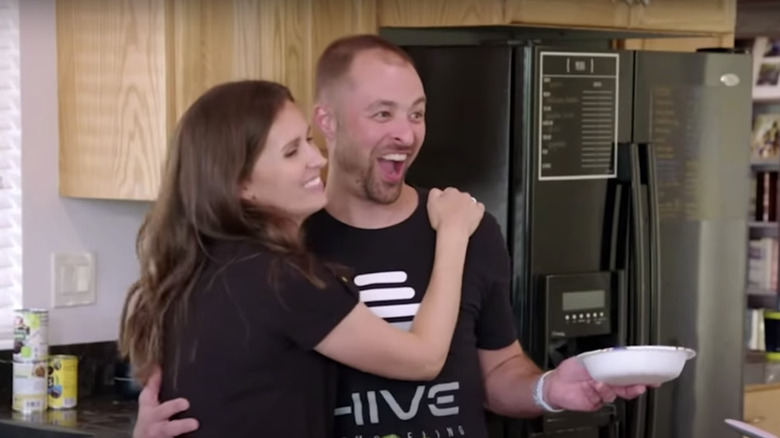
(72, 279)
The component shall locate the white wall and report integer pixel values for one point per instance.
(55, 224)
(10, 171)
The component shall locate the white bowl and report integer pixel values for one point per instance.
(636, 365)
(748, 430)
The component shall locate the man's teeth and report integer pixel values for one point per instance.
(395, 157)
(314, 182)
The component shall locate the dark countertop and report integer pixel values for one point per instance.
(104, 417)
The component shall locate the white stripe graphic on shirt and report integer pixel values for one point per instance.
(387, 294)
(396, 311)
(395, 290)
(391, 277)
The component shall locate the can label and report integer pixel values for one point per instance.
(31, 335)
(29, 386)
(63, 382)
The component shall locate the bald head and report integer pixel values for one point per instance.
(336, 61)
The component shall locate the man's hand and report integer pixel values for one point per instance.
(570, 387)
(154, 418)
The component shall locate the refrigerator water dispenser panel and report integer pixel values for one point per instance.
(579, 304)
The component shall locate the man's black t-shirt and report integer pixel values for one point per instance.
(244, 359)
(393, 267)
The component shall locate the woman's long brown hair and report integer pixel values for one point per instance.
(214, 149)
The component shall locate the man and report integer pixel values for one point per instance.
(370, 108)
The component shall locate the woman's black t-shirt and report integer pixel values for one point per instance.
(244, 357)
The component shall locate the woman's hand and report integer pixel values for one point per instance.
(453, 210)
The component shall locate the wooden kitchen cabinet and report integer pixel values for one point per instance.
(762, 407)
(706, 16)
(555, 13)
(128, 70)
(569, 13)
(669, 16)
(439, 13)
(678, 44)
(216, 41)
(113, 97)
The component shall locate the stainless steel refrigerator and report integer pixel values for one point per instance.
(620, 180)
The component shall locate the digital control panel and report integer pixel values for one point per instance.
(578, 304)
(584, 307)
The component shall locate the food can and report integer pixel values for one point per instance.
(31, 335)
(63, 382)
(29, 386)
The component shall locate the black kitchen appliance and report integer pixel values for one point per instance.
(620, 181)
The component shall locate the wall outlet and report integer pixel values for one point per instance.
(73, 279)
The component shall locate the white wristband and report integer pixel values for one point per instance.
(539, 394)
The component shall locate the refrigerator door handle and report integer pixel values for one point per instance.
(617, 245)
(648, 164)
(630, 173)
(629, 178)
(640, 264)
(640, 248)
(617, 229)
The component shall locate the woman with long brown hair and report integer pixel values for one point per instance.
(243, 318)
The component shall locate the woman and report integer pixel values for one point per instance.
(243, 318)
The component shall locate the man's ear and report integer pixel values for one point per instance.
(325, 120)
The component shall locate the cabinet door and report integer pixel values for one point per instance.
(333, 19)
(706, 16)
(434, 13)
(761, 407)
(218, 40)
(113, 103)
(128, 70)
(679, 44)
(574, 13)
(215, 41)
